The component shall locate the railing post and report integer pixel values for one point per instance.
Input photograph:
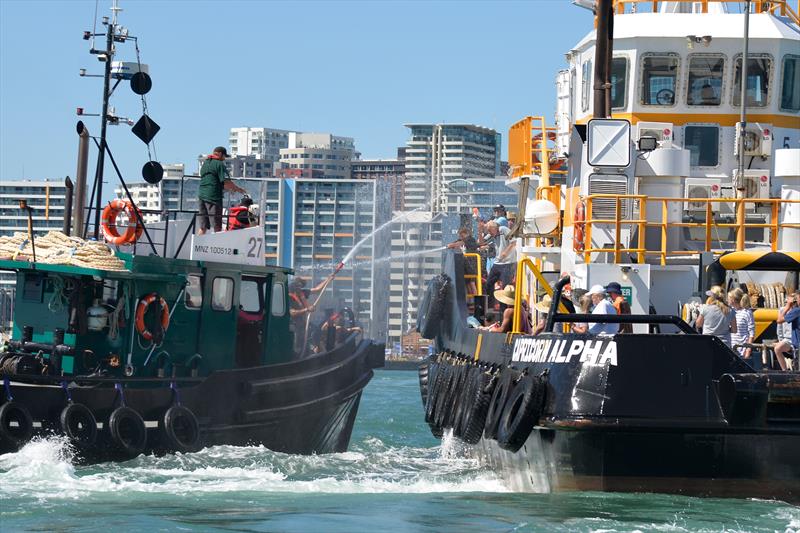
(740, 224)
(518, 297)
(709, 219)
(641, 256)
(773, 231)
(664, 217)
(544, 158)
(617, 230)
(587, 232)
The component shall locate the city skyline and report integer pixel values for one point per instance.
(480, 83)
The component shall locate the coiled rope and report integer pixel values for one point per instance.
(55, 248)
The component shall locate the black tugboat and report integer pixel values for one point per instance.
(618, 198)
(127, 353)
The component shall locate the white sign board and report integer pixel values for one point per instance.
(609, 142)
(241, 246)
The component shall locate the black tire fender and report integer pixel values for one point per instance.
(521, 413)
(21, 433)
(425, 372)
(454, 395)
(465, 399)
(127, 431)
(505, 385)
(78, 424)
(475, 416)
(180, 430)
(439, 382)
(431, 310)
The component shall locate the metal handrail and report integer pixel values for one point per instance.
(762, 6)
(478, 276)
(522, 264)
(740, 223)
(527, 137)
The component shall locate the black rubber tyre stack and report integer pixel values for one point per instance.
(426, 372)
(521, 413)
(475, 417)
(465, 399)
(455, 395)
(498, 401)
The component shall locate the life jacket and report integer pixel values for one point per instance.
(238, 217)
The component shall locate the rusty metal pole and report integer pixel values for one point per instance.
(604, 9)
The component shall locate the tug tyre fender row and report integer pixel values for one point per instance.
(180, 430)
(79, 424)
(432, 309)
(453, 396)
(425, 372)
(127, 431)
(465, 400)
(478, 406)
(521, 413)
(497, 404)
(443, 397)
(437, 382)
(15, 435)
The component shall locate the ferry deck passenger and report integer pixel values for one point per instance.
(716, 318)
(601, 307)
(745, 323)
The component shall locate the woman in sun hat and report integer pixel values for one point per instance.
(506, 295)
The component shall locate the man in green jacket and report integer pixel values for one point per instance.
(213, 179)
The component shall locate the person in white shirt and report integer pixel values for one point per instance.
(602, 307)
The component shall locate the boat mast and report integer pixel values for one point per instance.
(739, 182)
(108, 54)
(604, 48)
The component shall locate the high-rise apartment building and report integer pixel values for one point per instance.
(330, 154)
(261, 143)
(47, 198)
(438, 156)
(391, 170)
(484, 193)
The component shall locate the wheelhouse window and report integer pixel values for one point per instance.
(706, 73)
(790, 86)
(278, 306)
(222, 294)
(619, 80)
(659, 79)
(250, 298)
(758, 69)
(586, 84)
(193, 296)
(703, 145)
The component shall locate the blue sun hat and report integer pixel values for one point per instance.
(501, 221)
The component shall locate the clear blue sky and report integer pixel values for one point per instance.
(360, 69)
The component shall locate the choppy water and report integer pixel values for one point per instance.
(395, 478)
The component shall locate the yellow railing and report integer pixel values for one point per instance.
(781, 7)
(478, 276)
(528, 150)
(740, 224)
(519, 290)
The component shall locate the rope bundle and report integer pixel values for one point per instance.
(55, 248)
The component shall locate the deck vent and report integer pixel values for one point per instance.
(604, 208)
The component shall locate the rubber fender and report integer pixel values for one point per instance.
(79, 424)
(521, 413)
(464, 400)
(436, 384)
(475, 415)
(505, 385)
(432, 308)
(15, 435)
(424, 374)
(180, 431)
(127, 431)
(454, 395)
(443, 396)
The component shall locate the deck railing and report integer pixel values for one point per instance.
(478, 276)
(779, 7)
(740, 224)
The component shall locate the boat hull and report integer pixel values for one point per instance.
(304, 407)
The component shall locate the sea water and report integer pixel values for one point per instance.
(395, 477)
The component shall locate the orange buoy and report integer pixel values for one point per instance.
(109, 223)
(579, 227)
(141, 309)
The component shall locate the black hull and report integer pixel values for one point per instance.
(671, 413)
(303, 407)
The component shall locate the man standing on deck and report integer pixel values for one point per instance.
(601, 307)
(621, 305)
(505, 261)
(791, 314)
(213, 179)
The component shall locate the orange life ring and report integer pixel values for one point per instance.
(109, 222)
(579, 227)
(141, 309)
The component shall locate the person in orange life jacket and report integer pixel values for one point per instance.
(614, 291)
(239, 217)
(214, 179)
(300, 308)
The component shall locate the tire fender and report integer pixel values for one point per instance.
(23, 431)
(521, 413)
(127, 431)
(79, 424)
(180, 430)
(505, 385)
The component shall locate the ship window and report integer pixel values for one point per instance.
(659, 79)
(705, 79)
(790, 89)
(703, 145)
(193, 297)
(586, 76)
(619, 78)
(278, 307)
(222, 294)
(758, 68)
(250, 296)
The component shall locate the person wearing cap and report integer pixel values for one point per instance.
(716, 318)
(601, 307)
(506, 295)
(499, 211)
(614, 291)
(214, 179)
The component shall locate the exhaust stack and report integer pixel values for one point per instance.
(80, 180)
